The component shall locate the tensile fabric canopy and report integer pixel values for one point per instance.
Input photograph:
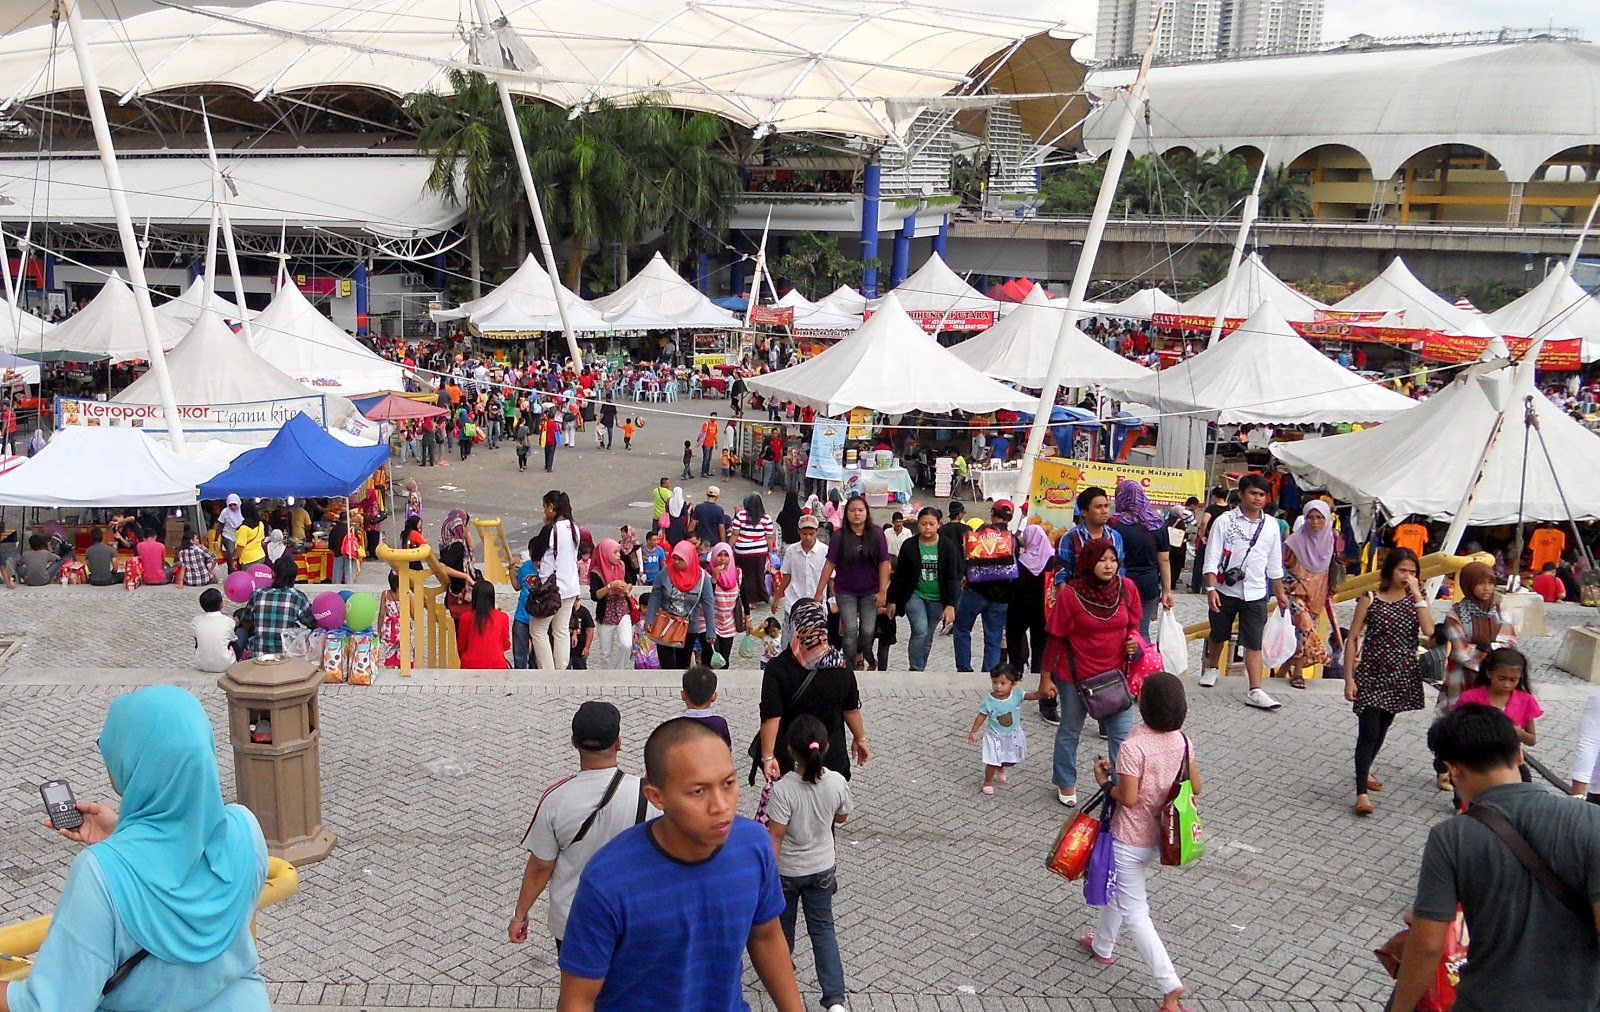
(1018, 348)
(391, 408)
(302, 460)
(88, 466)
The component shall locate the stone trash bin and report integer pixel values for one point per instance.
(275, 727)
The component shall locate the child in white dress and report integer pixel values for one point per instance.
(1000, 720)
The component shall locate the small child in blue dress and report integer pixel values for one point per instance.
(1000, 720)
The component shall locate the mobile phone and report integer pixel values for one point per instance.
(60, 805)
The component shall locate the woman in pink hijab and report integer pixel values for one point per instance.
(1307, 556)
(726, 605)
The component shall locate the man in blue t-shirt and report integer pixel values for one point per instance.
(666, 910)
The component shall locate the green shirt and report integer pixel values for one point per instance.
(928, 578)
(662, 495)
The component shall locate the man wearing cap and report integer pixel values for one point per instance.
(801, 571)
(988, 598)
(709, 521)
(576, 816)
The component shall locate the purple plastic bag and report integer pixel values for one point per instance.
(1100, 880)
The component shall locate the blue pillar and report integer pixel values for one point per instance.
(361, 296)
(438, 271)
(900, 269)
(941, 242)
(197, 267)
(702, 272)
(49, 274)
(871, 186)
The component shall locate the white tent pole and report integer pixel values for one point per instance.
(1252, 204)
(1458, 523)
(210, 283)
(119, 207)
(24, 245)
(761, 266)
(1583, 233)
(219, 208)
(1133, 99)
(5, 267)
(520, 148)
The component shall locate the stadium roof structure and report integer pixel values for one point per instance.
(848, 67)
(1523, 103)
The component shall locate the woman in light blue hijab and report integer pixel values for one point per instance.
(171, 881)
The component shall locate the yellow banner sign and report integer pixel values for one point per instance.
(1166, 486)
(1054, 485)
(860, 424)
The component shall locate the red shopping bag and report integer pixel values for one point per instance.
(1069, 855)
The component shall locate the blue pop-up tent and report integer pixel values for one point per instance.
(302, 460)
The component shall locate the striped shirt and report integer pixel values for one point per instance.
(723, 601)
(751, 538)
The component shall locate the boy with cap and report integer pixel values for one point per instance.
(576, 816)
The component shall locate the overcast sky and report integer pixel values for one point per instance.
(1344, 18)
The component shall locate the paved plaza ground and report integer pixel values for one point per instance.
(944, 903)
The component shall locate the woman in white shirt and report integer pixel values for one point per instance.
(555, 549)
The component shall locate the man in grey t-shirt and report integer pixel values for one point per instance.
(1527, 950)
(576, 816)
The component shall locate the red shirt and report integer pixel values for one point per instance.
(488, 648)
(1549, 587)
(1096, 644)
(152, 557)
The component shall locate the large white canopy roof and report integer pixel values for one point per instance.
(1142, 305)
(1254, 287)
(293, 336)
(107, 328)
(935, 288)
(20, 331)
(825, 65)
(889, 365)
(187, 307)
(1018, 348)
(526, 301)
(674, 301)
(1523, 103)
(105, 466)
(845, 300)
(1422, 461)
(1577, 313)
(376, 193)
(1263, 373)
(1397, 290)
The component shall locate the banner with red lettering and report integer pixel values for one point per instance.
(1190, 321)
(967, 321)
(772, 316)
(1357, 316)
(1555, 356)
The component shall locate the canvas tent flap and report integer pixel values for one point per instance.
(1422, 461)
(87, 466)
(1018, 348)
(1143, 305)
(889, 365)
(1263, 372)
(1254, 286)
(21, 332)
(935, 288)
(186, 308)
(1577, 313)
(1398, 290)
(662, 291)
(293, 336)
(303, 461)
(526, 301)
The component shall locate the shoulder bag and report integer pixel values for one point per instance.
(1182, 836)
(754, 751)
(544, 594)
(1569, 897)
(1103, 695)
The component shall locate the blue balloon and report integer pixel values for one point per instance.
(344, 595)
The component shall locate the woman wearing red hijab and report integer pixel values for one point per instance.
(1091, 623)
(682, 588)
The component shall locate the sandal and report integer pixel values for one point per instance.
(1297, 682)
(1174, 1003)
(1373, 784)
(1086, 943)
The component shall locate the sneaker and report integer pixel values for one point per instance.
(1259, 699)
(1209, 677)
(1070, 800)
(1050, 711)
(836, 1007)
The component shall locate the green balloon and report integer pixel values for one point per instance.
(360, 611)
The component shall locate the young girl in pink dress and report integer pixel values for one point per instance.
(1503, 683)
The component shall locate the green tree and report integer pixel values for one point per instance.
(463, 132)
(1284, 198)
(698, 185)
(1488, 294)
(1071, 190)
(815, 264)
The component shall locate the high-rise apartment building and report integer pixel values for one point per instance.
(1201, 29)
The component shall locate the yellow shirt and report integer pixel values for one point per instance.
(250, 543)
(299, 520)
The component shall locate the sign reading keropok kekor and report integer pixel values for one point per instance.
(249, 416)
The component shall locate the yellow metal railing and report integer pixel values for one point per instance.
(423, 614)
(18, 942)
(496, 556)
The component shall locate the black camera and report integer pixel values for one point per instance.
(1233, 576)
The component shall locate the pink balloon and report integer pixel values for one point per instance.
(328, 610)
(260, 575)
(238, 586)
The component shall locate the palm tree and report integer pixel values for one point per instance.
(1284, 198)
(463, 132)
(596, 188)
(696, 193)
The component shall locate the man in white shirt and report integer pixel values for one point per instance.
(801, 571)
(897, 534)
(1244, 559)
(213, 634)
(577, 816)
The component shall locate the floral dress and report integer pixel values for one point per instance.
(389, 631)
(1387, 676)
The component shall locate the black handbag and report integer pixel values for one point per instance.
(1103, 695)
(544, 595)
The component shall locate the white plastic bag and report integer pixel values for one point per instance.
(1172, 643)
(1278, 641)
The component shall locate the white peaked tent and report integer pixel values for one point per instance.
(1263, 372)
(526, 301)
(825, 319)
(935, 288)
(21, 332)
(293, 336)
(1576, 311)
(213, 365)
(187, 307)
(1422, 461)
(889, 365)
(108, 328)
(659, 289)
(1018, 348)
(793, 298)
(845, 299)
(1398, 290)
(1254, 287)
(105, 466)
(1142, 305)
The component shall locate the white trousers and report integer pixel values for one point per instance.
(613, 646)
(552, 638)
(1130, 908)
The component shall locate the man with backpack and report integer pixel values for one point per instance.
(989, 556)
(576, 816)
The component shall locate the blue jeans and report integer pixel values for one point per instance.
(705, 461)
(924, 616)
(519, 645)
(1065, 775)
(1152, 608)
(343, 568)
(815, 892)
(767, 468)
(858, 620)
(968, 608)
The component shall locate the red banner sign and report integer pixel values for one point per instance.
(1189, 321)
(967, 321)
(772, 316)
(1554, 356)
(1355, 316)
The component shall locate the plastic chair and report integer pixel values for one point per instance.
(962, 474)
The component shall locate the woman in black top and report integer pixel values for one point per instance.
(830, 694)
